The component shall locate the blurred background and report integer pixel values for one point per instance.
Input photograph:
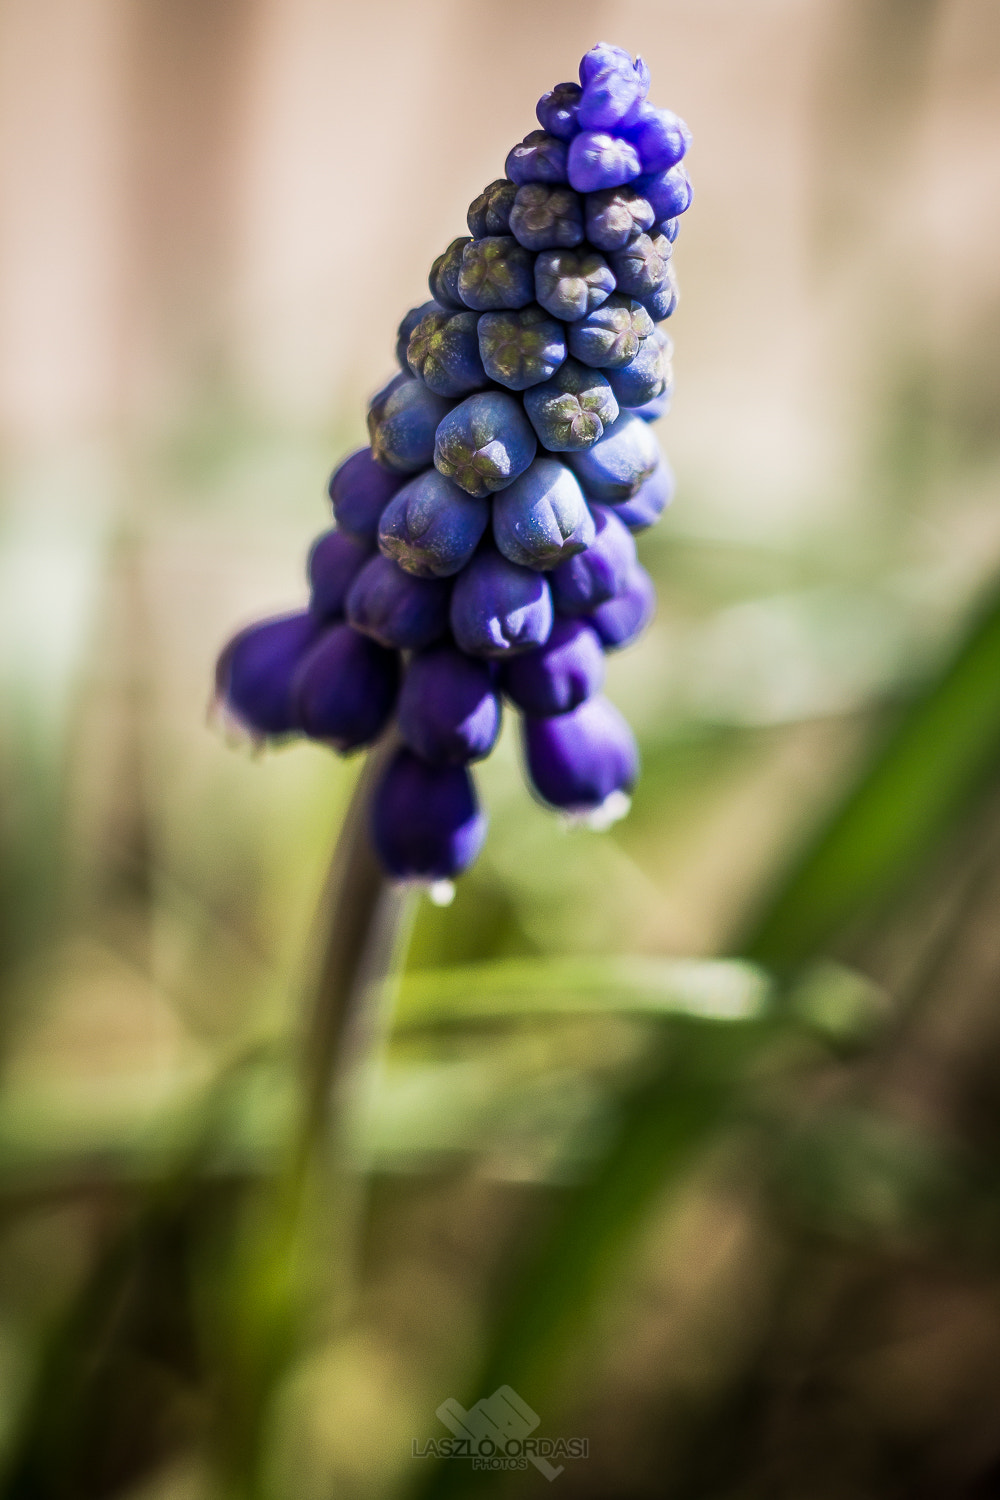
(212, 216)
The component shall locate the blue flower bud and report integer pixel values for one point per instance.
(407, 326)
(581, 583)
(345, 689)
(490, 212)
(449, 712)
(610, 94)
(597, 161)
(560, 675)
(570, 284)
(661, 303)
(396, 608)
(669, 227)
(484, 443)
(360, 490)
(334, 559)
(602, 57)
(542, 517)
(444, 353)
(572, 409)
(443, 280)
(652, 411)
(669, 192)
(579, 761)
(402, 421)
(521, 349)
(556, 110)
(615, 217)
(431, 527)
(540, 157)
(643, 378)
(643, 266)
(254, 673)
(650, 499)
(621, 620)
(498, 609)
(425, 822)
(496, 272)
(661, 138)
(544, 217)
(615, 467)
(611, 335)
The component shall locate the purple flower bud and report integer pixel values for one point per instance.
(661, 137)
(650, 499)
(360, 490)
(498, 608)
(407, 326)
(395, 608)
(572, 283)
(643, 266)
(652, 411)
(253, 676)
(579, 761)
(334, 560)
(621, 620)
(540, 157)
(643, 378)
(609, 95)
(670, 228)
(602, 57)
(484, 443)
(615, 217)
(556, 110)
(669, 192)
(345, 689)
(426, 823)
(542, 517)
(572, 409)
(444, 353)
(581, 583)
(597, 161)
(449, 712)
(661, 303)
(402, 421)
(615, 467)
(611, 335)
(544, 217)
(496, 272)
(521, 349)
(490, 212)
(431, 527)
(560, 675)
(443, 280)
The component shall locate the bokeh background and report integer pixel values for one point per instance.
(213, 214)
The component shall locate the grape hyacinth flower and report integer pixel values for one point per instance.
(483, 547)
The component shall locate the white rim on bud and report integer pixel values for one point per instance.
(615, 806)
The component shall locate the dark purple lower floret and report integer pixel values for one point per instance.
(544, 216)
(449, 711)
(521, 349)
(395, 608)
(614, 468)
(430, 527)
(615, 217)
(402, 421)
(485, 443)
(650, 499)
(443, 279)
(345, 689)
(611, 335)
(560, 675)
(621, 620)
(642, 267)
(360, 489)
(582, 760)
(542, 517)
(443, 352)
(498, 608)
(334, 560)
(571, 410)
(425, 821)
(496, 272)
(569, 284)
(254, 672)
(581, 583)
(407, 326)
(490, 212)
(540, 157)
(662, 303)
(642, 379)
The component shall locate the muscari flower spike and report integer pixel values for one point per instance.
(483, 549)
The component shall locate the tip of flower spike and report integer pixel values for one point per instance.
(615, 806)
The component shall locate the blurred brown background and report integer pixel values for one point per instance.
(212, 216)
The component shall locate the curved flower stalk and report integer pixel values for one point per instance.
(483, 549)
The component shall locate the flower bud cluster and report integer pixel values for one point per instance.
(483, 545)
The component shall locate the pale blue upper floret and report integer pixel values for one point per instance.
(542, 518)
(484, 443)
(431, 527)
